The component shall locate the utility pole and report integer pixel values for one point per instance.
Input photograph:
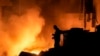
(89, 12)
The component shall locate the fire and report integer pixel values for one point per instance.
(37, 52)
(21, 33)
(28, 34)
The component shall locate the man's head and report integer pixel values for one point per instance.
(98, 27)
(55, 27)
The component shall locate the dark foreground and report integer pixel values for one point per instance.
(76, 42)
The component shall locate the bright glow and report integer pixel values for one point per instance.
(37, 52)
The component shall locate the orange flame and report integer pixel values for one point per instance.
(21, 32)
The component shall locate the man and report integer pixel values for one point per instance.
(56, 36)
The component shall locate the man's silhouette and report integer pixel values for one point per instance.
(56, 36)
